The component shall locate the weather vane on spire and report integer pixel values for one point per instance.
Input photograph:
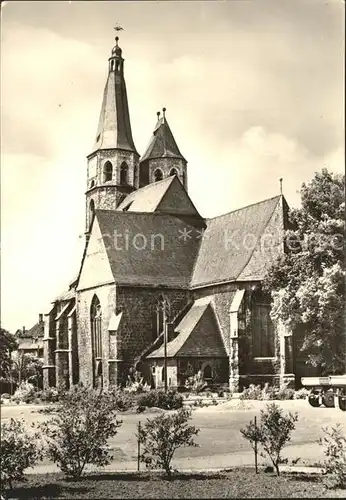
(117, 27)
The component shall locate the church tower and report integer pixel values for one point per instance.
(113, 164)
(162, 157)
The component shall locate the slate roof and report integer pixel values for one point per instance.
(157, 254)
(229, 242)
(162, 143)
(147, 198)
(114, 128)
(183, 251)
(196, 322)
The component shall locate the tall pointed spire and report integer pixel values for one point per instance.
(162, 143)
(114, 128)
(162, 157)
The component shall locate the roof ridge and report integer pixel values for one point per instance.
(134, 212)
(243, 208)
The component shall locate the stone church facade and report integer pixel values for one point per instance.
(152, 264)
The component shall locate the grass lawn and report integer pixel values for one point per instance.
(237, 483)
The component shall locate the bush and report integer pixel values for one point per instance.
(162, 436)
(301, 394)
(171, 400)
(252, 392)
(19, 451)
(334, 442)
(136, 383)
(195, 383)
(273, 433)
(122, 401)
(50, 395)
(267, 392)
(26, 393)
(78, 434)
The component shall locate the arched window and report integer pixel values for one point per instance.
(92, 184)
(96, 328)
(124, 169)
(91, 211)
(158, 175)
(162, 311)
(107, 171)
(173, 172)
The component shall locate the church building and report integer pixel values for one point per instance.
(153, 268)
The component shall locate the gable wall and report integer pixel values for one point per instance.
(205, 340)
(96, 269)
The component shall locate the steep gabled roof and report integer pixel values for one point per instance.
(162, 143)
(197, 334)
(166, 196)
(229, 243)
(149, 248)
(147, 198)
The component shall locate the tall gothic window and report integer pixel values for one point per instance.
(158, 175)
(96, 327)
(263, 336)
(107, 171)
(124, 172)
(162, 311)
(173, 172)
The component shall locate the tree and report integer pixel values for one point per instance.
(308, 282)
(162, 436)
(8, 344)
(26, 367)
(273, 433)
(78, 434)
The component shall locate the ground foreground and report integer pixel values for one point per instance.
(221, 444)
(237, 483)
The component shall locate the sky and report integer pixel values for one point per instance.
(253, 91)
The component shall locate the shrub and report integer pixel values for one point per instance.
(273, 433)
(136, 383)
(195, 383)
(267, 392)
(122, 401)
(26, 393)
(78, 434)
(334, 442)
(284, 393)
(252, 392)
(301, 394)
(50, 395)
(19, 451)
(162, 436)
(170, 400)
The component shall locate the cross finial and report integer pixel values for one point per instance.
(281, 179)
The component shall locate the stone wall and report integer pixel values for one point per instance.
(137, 329)
(107, 297)
(165, 165)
